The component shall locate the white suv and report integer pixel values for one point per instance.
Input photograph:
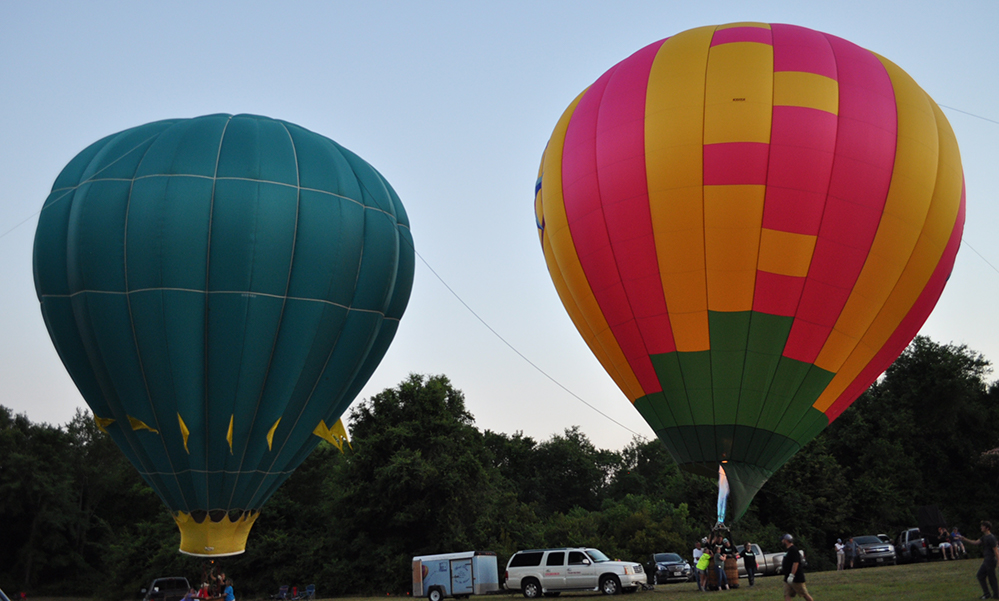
(549, 571)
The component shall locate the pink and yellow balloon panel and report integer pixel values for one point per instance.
(748, 223)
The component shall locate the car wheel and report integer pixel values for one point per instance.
(610, 585)
(435, 594)
(655, 577)
(532, 588)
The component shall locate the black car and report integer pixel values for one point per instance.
(669, 567)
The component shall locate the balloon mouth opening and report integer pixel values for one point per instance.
(215, 533)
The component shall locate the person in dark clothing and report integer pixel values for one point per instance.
(749, 562)
(719, 562)
(793, 572)
(990, 559)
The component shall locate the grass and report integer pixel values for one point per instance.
(936, 581)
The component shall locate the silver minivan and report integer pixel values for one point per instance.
(548, 572)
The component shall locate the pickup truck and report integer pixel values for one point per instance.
(767, 564)
(912, 545)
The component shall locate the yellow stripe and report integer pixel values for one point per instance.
(103, 423)
(785, 253)
(567, 273)
(738, 93)
(270, 435)
(744, 24)
(228, 436)
(674, 129)
(323, 432)
(738, 106)
(920, 215)
(184, 432)
(138, 424)
(733, 217)
(340, 432)
(795, 88)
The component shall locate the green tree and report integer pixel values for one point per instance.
(416, 483)
(36, 500)
(916, 437)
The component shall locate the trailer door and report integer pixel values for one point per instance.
(461, 576)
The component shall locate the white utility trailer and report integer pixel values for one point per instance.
(456, 575)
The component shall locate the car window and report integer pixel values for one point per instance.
(868, 540)
(577, 558)
(597, 556)
(520, 560)
(556, 559)
(667, 557)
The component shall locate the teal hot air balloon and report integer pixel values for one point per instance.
(219, 289)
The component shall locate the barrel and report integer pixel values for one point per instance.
(712, 584)
(732, 572)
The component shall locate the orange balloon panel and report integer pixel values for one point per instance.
(748, 223)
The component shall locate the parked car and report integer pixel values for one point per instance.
(885, 538)
(166, 589)
(872, 551)
(668, 567)
(548, 572)
(912, 545)
(767, 564)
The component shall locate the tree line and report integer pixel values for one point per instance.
(421, 478)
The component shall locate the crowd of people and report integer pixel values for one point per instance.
(214, 585)
(205, 591)
(712, 553)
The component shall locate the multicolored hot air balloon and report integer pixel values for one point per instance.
(220, 289)
(747, 224)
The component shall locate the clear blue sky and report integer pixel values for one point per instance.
(453, 102)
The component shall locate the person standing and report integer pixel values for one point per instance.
(698, 551)
(851, 552)
(703, 565)
(749, 562)
(989, 560)
(793, 572)
(840, 554)
(719, 561)
(229, 596)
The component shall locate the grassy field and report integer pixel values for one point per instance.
(937, 581)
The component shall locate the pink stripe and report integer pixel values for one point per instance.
(800, 49)
(735, 163)
(858, 186)
(777, 294)
(741, 34)
(607, 206)
(802, 144)
(910, 324)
